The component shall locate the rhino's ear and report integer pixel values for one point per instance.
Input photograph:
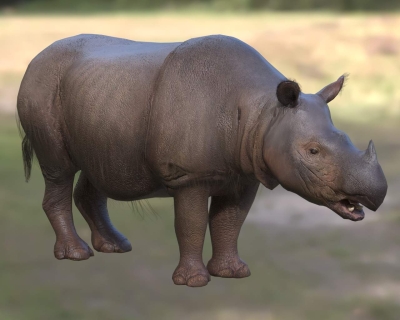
(288, 93)
(332, 90)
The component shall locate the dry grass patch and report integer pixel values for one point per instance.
(312, 48)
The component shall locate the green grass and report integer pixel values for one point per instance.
(319, 273)
(87, 6)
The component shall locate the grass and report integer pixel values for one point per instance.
(326, 272)
(331, 272)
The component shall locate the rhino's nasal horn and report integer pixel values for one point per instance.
(370, 153)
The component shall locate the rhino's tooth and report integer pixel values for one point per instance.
(351, 208)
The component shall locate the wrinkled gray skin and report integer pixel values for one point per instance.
(206, 117)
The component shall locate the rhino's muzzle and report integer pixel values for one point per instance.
(364, 184)
(368, 188)
(352, 208)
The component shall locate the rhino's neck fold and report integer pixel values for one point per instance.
(261, 170)
(251, 147)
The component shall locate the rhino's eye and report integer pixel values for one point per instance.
(314, 151)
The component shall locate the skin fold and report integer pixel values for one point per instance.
(208, 117)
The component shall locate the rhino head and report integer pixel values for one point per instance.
(303, 151)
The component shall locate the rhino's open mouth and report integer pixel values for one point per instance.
(348, 209)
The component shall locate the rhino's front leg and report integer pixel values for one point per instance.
(191, 216)
(227, 214)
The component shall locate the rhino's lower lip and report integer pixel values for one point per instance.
(348, 209)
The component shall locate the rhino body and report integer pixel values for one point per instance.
(208, 117)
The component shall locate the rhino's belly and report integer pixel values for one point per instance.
(109, 146)
(116, 166)
(128, 184)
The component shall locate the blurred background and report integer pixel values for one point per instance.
(306, 262)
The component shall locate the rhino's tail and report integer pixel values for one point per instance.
(27, 150)
(27, 156)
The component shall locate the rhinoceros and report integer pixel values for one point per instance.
(207, 117)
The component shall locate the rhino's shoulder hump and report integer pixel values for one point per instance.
(214, 45)
(216, 40)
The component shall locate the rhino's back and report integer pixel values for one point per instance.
(108, 85)
(109, 77)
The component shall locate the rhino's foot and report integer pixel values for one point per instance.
(76, 250)
(111, 242)
(191, 274)
(228, 268)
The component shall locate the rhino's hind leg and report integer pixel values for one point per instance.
(57, 204)
(93, 207)
(190, 227)
(227, 214)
